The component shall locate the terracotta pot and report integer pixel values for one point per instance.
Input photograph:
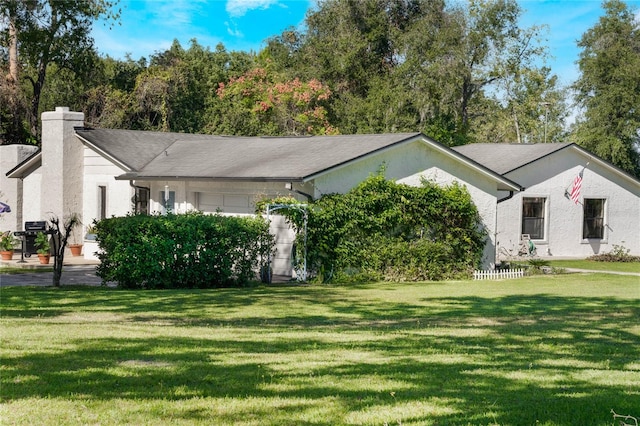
(6, 255)
(44, 258)
(76, 249)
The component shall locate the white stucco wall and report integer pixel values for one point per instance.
(31, 209)
(550, 178)
(409, 164)
(98, 171)
(10, 189)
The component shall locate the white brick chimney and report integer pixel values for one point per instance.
(62, 164)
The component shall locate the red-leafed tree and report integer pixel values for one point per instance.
(261, 103)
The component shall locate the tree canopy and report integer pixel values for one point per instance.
(43, 35)
(609, 88)
(459, 72)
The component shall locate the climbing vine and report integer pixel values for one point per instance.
(390, 231)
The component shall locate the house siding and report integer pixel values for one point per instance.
(98, 171)
(412, 162)
(31, 209)
(10, 189)
(550, 177)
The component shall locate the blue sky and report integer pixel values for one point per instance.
(147, 26)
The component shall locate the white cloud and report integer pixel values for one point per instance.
(233, 30)
(174, 13)
(238, 8)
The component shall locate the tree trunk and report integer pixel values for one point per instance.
(38, 84)
(13, 51)
(60, 238)
(35, 101)
(517, 126)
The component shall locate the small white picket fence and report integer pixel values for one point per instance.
(498, 274)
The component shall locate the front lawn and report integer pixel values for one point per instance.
(542, 350)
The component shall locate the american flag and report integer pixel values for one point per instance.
(575, 189)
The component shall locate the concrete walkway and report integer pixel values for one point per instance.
(71, 275)
(79, 271)
(593, 271)
(76, 271)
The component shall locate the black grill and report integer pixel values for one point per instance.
(31, 229)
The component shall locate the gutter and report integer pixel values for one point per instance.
(508, 197)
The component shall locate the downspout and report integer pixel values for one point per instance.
(309, 196)
(495, 229)
(131, 184)
(289, 186)
(508, 197)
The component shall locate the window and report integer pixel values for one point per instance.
(167, 203)
(141, 200)
(593, 226)
(102, 202)
(533, 210)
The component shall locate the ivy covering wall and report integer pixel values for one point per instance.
(384, 230)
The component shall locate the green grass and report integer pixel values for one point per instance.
(544, 350)
(597, 266)
(14, 270)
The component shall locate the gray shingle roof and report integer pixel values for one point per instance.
(179, 155)
(504, 158)
(133, 148)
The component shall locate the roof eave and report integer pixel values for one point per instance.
(560, 148)
(604, 163)
(591, 156)
(104, 153)
(507, 184)
(26, 167)
(138, 177)
(335, 167)
(504, 184)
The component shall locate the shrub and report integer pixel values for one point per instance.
(385, 230)
(190, 250)
(617, 254)
(538, 266)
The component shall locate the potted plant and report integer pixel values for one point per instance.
(7, 245)
(91, 246)
(75, 247)
(43, 247)
(91, 233)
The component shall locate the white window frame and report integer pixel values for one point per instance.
(545, 226)
(102, 201)
(605, 219)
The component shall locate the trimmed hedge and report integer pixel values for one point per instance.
(189, 250)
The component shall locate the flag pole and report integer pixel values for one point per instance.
(576, 187)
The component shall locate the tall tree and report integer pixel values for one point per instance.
(529, 107)
(609, 88)
(262, 103)
(411, 64)
(174, 92)
(350, 45)
(50, 32)
(13, 110)
(469, 53)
